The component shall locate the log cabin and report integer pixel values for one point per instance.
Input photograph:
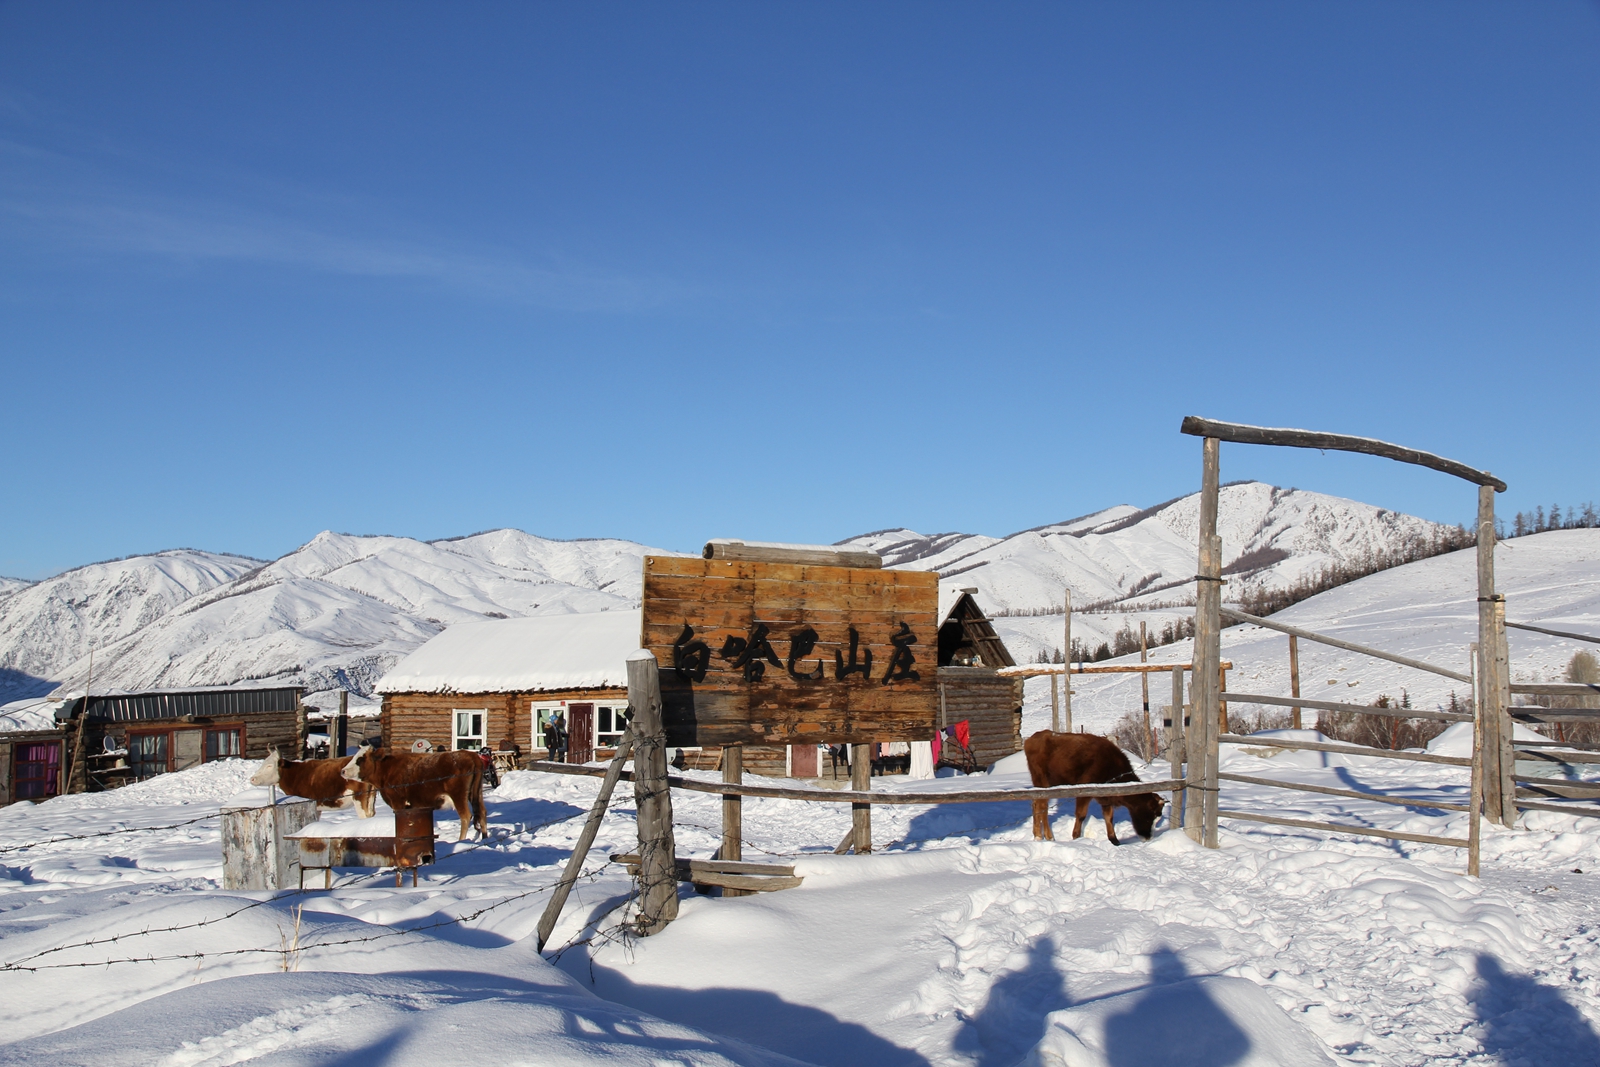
(487, 683)
(129, 737)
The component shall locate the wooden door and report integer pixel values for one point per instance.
(188, 747)
(802, 761)
(580, 733)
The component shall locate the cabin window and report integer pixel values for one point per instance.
(609, 723)
(224, 744)
(469, 729)
(38, 770)
(147, 755)
(543, 715)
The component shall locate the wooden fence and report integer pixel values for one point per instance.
(1492, 762)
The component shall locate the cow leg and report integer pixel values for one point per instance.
(1041, 821)
(463, 809)
(1083, 813)
(480, 812)
(1109, 810)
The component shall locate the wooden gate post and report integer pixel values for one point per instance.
(1207, 648)
(1502, 704)
(1488, 688)
(1055, 706)
(861, 782)
(658, 875)
(733, 813)
(1475, 794)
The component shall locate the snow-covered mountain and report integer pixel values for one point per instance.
(339, 611)
(11, 585)
(46, 626)
(1130, 558)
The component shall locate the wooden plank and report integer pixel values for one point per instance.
(741, 884)
(1272, 435)
(810, 555)
(715, 866)
(1342, 828)
(1334, 705)
(1529, 713)
(1349, 750)
(1334, 642)
(1066, 657)
(1351, 794)
(1553, 757)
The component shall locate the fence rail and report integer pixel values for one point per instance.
(1308, 824)
(856, 796)
(1351, 794)
(1334, 705)
(1348, 646)
(1347, 750)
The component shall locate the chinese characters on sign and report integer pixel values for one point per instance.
(691, 656)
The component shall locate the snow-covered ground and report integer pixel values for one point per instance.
(961, 941)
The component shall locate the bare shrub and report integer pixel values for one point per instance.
(1129, 735)
(1385, 731)
(1256, 720)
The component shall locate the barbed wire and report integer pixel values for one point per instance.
(106, 833)
(20, 965)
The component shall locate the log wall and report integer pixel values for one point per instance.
(992, 704)
(408, 717)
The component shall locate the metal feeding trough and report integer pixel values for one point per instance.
(328, 843)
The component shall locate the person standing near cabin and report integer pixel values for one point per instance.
(555, 738)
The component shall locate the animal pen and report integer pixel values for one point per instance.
(1194, 728)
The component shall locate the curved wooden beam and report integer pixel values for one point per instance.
(1338, 442)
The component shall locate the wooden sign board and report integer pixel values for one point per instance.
(782, 653)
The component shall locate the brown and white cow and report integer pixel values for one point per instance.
(1081, 759)
(321, 780)
(425, 780)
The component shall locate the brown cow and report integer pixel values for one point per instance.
(321, 780)
(425, 780)
(1079, 759)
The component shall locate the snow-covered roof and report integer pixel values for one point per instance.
(26, 716)
(542, 653)
(949, 597)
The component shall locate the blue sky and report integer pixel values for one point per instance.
(781, 271)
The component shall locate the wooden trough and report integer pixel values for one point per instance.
(324, 845)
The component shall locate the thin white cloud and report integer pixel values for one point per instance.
(80, 215)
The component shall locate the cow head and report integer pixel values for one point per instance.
(1144, 809)
(352, 770)
(267, 773)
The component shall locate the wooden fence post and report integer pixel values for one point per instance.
(1488, 687)
(1207, 648)
(1475, 795)
(658, 874)
(1502, 704)
(733, 812)
(1066, 676)
(1055, 706)
(1176, 745)
(1144, 693)
(1294, 679)
(861, 782)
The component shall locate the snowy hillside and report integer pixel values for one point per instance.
(1426, 610)
(11, 585)
(341, 610)
(47, 625)
(1127, 557)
